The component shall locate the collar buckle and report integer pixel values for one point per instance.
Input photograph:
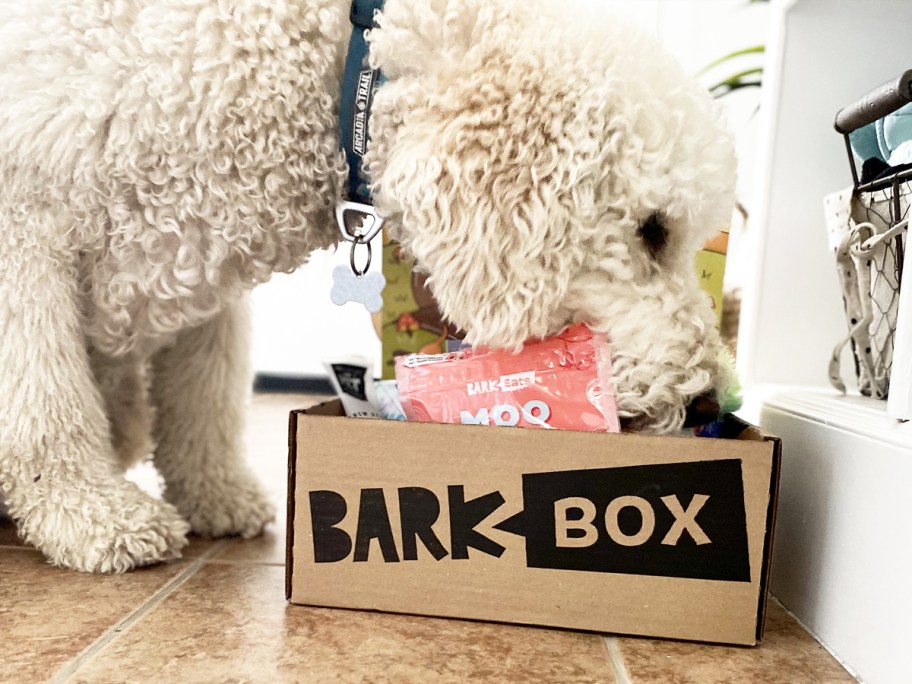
(358, 222)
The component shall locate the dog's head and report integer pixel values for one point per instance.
(547, 164)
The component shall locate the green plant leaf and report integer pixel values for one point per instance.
(740, 76)
(723, 89)
(757, 49)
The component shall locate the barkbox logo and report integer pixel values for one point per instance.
(678, 520)
(506, 383)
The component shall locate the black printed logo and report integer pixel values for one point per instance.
(351, 380)
(363, 98)
(678, 520)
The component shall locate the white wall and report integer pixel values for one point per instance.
(295, 324)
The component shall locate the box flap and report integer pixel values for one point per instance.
(772, 508)
(332, 407)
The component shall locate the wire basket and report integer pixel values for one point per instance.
(868, 227)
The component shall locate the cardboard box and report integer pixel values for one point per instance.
(628, 534)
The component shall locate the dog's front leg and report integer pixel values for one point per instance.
(58, 471)
(201, 387)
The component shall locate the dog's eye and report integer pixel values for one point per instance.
(654, 234)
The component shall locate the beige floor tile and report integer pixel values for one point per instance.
(786, 654)
(231, 623)
(48, 615)
(197, 546)
(289, 401)
(268, 548)
(267, 437)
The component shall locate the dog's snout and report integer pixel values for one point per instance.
(702, 410)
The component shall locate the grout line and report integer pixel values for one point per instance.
(816, 638)
(245, 561)
(71, 668)
(617, 660)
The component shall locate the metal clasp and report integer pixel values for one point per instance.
(359, 224)
(368, 224)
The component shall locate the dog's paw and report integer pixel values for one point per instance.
(233, 506)
(108, 531)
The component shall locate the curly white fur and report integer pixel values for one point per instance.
(518, 147)
(157, 159)
(160, 157)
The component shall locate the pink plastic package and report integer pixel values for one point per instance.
(563, 382)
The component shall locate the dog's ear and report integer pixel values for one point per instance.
(491, 246)
(484, 203)
(468, 164)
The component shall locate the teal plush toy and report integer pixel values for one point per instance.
(731, 400)
(888, 139)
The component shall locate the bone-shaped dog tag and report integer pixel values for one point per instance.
(366, 289)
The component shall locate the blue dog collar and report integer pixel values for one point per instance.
(358, 86)
(363, 11)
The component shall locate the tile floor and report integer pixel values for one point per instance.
(219, 615)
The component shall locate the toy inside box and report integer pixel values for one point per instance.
(619, 533)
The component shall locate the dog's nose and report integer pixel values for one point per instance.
(702, 410)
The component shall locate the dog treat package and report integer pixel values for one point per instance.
(563, 382)
(353, 379)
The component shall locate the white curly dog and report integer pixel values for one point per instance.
(543, 161)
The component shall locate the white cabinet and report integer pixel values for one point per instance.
(841, 559)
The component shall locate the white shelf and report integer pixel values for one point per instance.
(841, 557)
(851, 413)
